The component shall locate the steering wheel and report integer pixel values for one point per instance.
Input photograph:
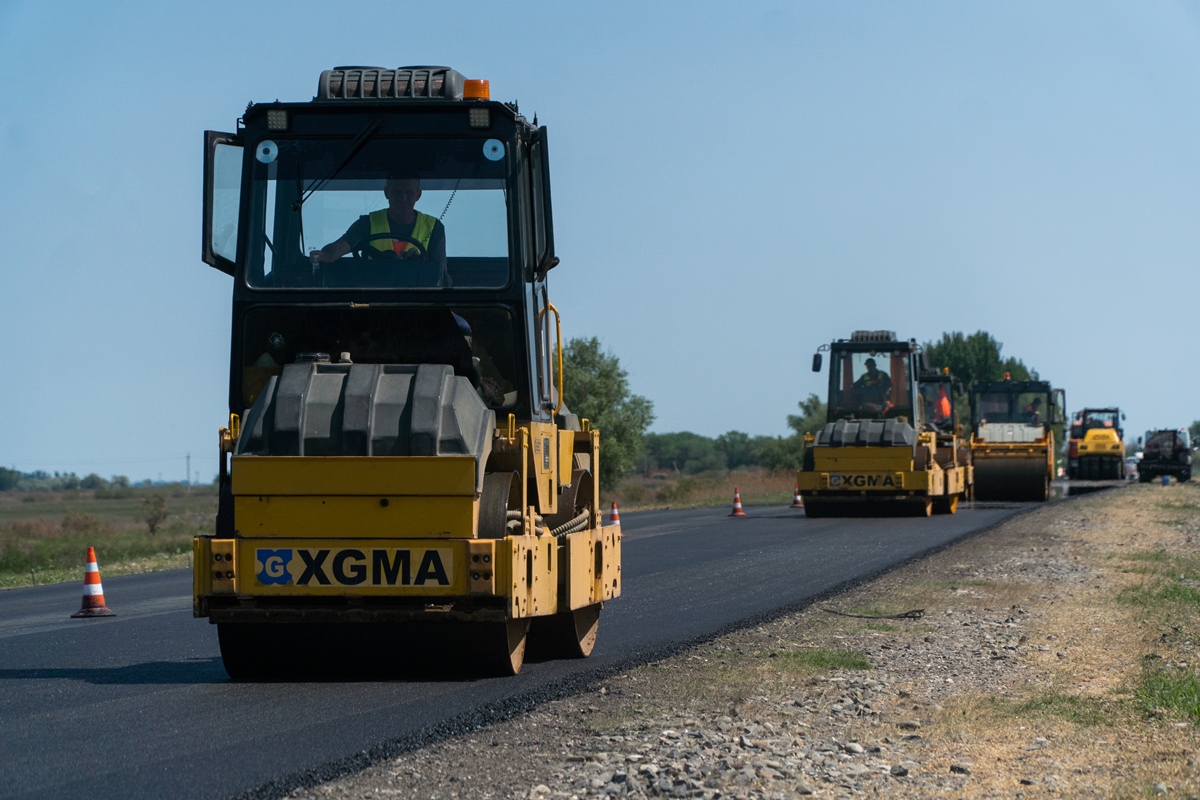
(363, 251)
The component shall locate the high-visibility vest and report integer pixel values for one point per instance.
(943, 404)
(422, 232)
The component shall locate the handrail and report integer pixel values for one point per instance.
(558, 334)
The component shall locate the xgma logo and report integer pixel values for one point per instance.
(353, 567)
(863, 481)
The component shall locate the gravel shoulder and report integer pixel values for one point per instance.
(1054, 656)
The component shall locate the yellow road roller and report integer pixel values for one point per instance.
(874, 456)
(399, 470)
(1012, 438)
(1096, 450)
(938, 391)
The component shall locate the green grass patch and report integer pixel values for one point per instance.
(819, 659)
(1179, 506)
(1091, 711)
(45, 540)
(1172, 690)
(1159, 562)
(882, 627)
(1156, 556)
(1161, 593)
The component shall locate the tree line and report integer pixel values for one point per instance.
(42, 481)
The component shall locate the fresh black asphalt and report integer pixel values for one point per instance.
(138, 705)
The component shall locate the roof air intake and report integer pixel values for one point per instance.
(378, 83)
(873, 336)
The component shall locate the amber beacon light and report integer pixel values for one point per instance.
(476, 90)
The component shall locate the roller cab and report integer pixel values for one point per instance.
(875, 454)
(399, 457)
(938, 392)
(1012, 438)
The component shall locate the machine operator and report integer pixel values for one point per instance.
(874, 387)
(400, 219)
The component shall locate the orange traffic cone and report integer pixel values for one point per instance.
(93, 591)
(737, 504)
(796, 501)
(614, 518)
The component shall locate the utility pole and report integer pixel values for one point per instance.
(188, 474)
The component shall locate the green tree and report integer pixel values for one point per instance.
(154, 511)
(741, 449)
(975, 358)
(811, 417)
(786, 452)
(597, 388)
(1194, 433)
(93, 481)
(684, 451)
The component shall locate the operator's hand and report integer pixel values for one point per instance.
(492, 392)
(321, 257)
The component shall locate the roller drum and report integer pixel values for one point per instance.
(1013, 479)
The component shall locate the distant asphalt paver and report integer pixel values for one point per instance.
(138, 705)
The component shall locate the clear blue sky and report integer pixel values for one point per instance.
(734, 185)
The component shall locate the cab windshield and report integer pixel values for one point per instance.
(396, 213)
(870, 386)
(1099, 419)
(1165, 441)
(1030, 408)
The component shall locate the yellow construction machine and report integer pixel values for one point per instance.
(1096, 449)
(399, 471)
(875, 454)
(1012, 438)
(938, 391)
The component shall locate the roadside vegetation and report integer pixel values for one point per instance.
(44, 535)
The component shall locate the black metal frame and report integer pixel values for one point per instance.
(433, 118)
(910, 347)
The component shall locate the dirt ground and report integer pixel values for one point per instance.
(1054, 658)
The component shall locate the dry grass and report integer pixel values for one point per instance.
(1116, 719)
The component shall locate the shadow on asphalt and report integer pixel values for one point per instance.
(200, 670)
